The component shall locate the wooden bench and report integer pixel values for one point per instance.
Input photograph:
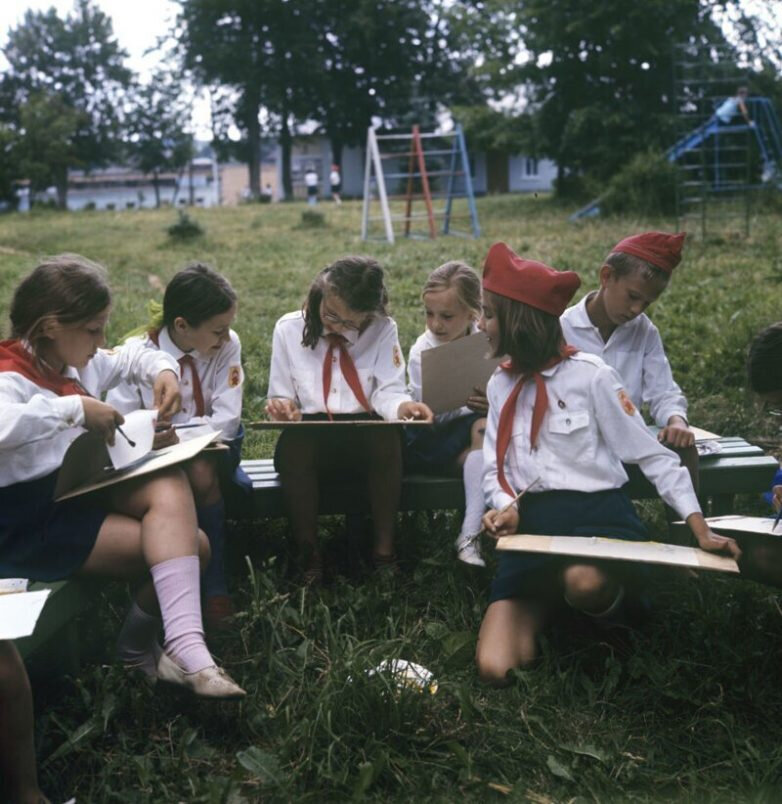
(740, 468)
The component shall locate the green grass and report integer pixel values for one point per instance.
(688, 711)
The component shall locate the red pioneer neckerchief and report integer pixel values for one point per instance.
(14, 356)
(186, 360)
(539, 408)
(348, 368)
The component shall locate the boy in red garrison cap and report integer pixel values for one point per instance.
(611, 323)
(560, 425)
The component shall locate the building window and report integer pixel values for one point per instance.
(530, 166)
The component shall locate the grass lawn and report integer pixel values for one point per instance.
(688, 710)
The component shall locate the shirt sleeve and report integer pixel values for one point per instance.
(134, 362)
(226, 414)
(660, 391)
(389, 374)
(280, 374)
(34, 418)
(125, 398)
(626, 435)
(493, 493)
(415, 382)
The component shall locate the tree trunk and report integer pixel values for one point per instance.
(254, 154)
(62, 188)
(286, 144)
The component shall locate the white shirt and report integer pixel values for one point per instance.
(221, 378)
(585, 436)
(428, 340)
(297, 371)
(311, 178)
(635, 350)
(334, 178)
(37, 426)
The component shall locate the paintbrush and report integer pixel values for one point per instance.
(508, 506)
(125, 436)
(776, 520)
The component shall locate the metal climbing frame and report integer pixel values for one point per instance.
(417, 167)
(714, 159)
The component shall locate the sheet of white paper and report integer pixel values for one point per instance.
(189, 433)
(139, 426)
(742, 524)
(19, 613)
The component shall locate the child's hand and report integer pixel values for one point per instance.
(676, 434)
(776, 497)
(165, 436)
(101, 418)
(414, 410)
(708, 540)
(478, 402)
(168, 399)
(501, 523)
(282, 410)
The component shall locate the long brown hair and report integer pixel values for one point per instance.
(764, 361)
(67, 287)
(357, 280)
(530, 337)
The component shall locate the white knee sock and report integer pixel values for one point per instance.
(475, 505)
(178, 589)
(137, 640)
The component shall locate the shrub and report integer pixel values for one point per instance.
(310, 219)
(646, 185)
(185, 228)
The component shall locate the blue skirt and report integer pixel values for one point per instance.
(41, 539)
(230, 463)
(564, 513)
(436, 448)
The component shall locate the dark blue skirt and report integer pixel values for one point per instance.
(564, 513)
(238, 477)
(436, 448)
(43, 540)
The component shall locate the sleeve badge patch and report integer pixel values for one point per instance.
(627, 404)
(397, 356)
(234, 376)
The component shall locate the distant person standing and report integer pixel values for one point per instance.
(731, 108)
(335, 180)
(311, 181)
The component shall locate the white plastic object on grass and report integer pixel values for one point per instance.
(9, 586)
(407, 675)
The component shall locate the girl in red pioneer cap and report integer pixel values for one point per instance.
(560, 424)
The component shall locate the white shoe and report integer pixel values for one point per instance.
(467, 551)
(211, 682)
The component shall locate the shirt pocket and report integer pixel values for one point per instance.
(571, 435)
(309, 389)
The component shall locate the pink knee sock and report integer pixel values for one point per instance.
(177, 585)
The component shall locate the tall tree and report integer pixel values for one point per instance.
(259, 49)
(78, 60)
(598, 77)
(156, 126)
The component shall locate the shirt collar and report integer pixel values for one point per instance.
(579, 318)
(169, 347)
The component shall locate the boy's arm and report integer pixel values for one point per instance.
(660, 391)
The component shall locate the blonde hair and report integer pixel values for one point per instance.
(463, 279)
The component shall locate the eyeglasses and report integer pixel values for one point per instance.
(332, 318)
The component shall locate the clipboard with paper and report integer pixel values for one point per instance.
(451, 372)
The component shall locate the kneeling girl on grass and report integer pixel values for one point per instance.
(561, 424)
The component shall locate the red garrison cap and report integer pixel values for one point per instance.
(661, 249)
(533, 283)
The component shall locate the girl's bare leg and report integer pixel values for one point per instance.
(590, 589)
(384, 473)
(18, 774)
(507, 639)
